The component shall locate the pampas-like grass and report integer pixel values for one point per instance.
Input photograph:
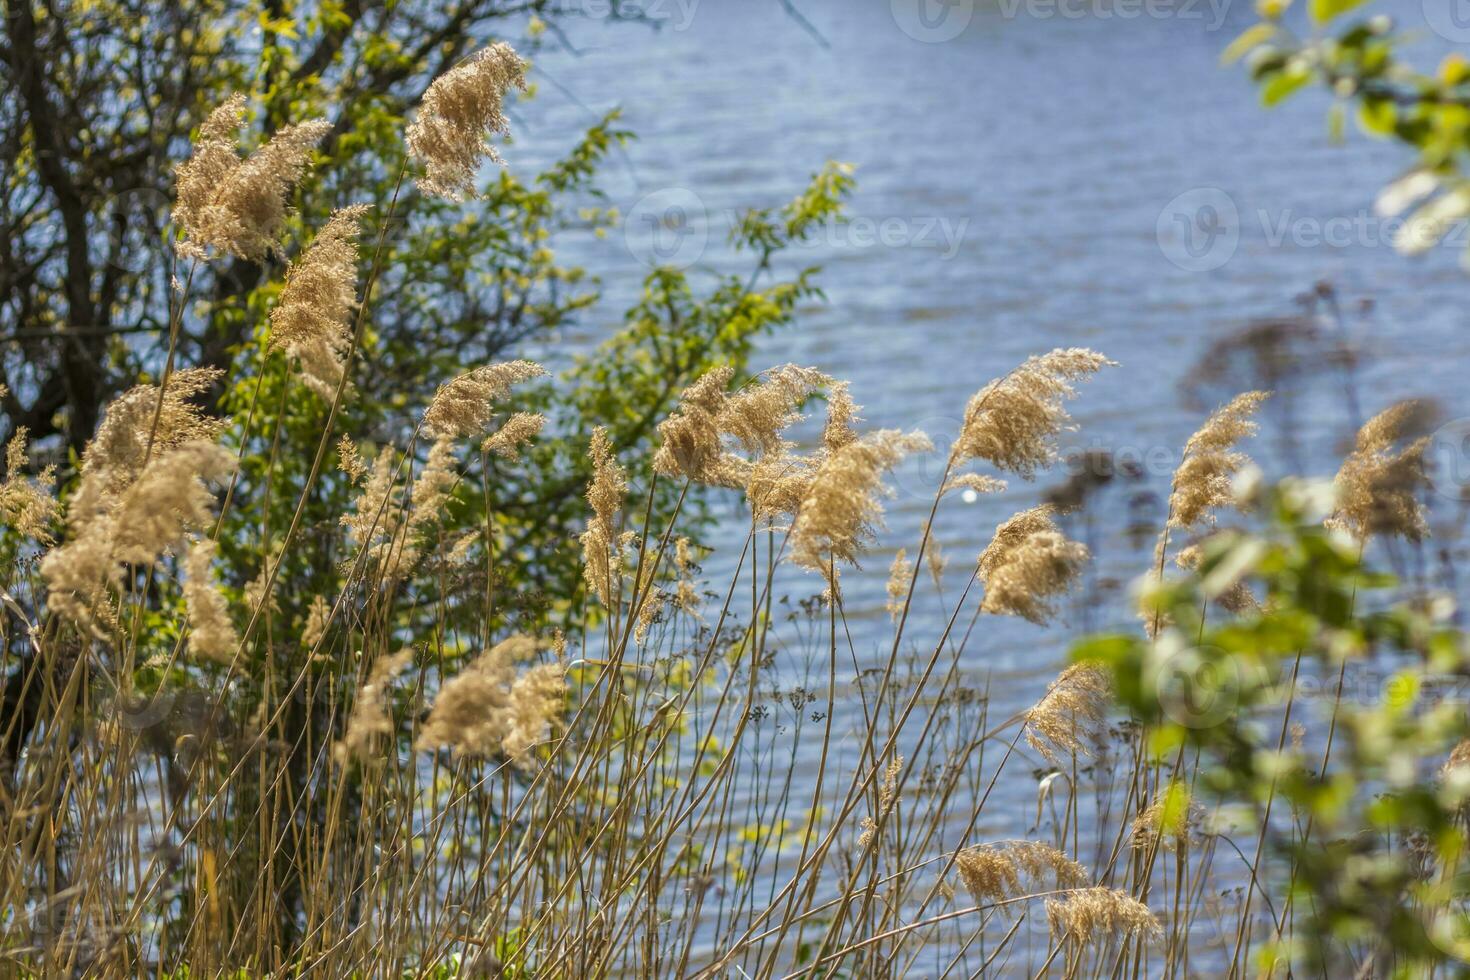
(310, 323)
(233, 205)
(490, 707)
(1068, 715)
(459, 108)
(1379, 482)
(1202, 482)
(841, 509)
(1013, 421)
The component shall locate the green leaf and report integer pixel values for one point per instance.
(1248, 41)
(1324, 11)
(1283, 86)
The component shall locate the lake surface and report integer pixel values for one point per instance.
(1019, 188)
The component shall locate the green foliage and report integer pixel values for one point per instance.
(1370, 832)
(1358, 62)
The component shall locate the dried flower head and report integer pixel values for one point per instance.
(841, 414)
(887, 799)
(370, 719)
(235, 205)
(489, 707)
(1378, 484)
(120, 445)
(1099, 915)
(318, 617)
(973, 482)
(168, 499)
(212, 635)
(1167, 822)
(601, 551)
(689, 439)
(514, 433)
(757, 415)
(1202, 481)
(900, 573)
(458, 110)
(466, 406)
(1027, 565)
(311, 321)
(1069, 714)
(27, 506)
(1013, 421)
(841, 508)
(994, 872)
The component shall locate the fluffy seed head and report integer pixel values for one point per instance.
(458, 110)
(489, 707)
(311, 320)
(899, 575)
(371, 718)
(27, 506)
(994, 872)
(838, 516)
(689, 439)
(120, 445)
(1013, 421)
(212, 635)
(1202, 481)
(465, 406)
(233, 205)
(1069, 713)
(1378, 484)
(1028, 564)
(514, 433)
(601, 551)
(1099, 915)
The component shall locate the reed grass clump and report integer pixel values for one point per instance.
(267, 716)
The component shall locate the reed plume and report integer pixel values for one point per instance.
(311, 320)
(1202, 481)
(118, 449)
(459, 108)
(842, 507)
(466, 406)
(1094, 916)
(513, 435)
(109, 530)
(689, 439)
(899, 574)
(1027, 565)
(212, 634)
(490, 708)
(370, 720)
(1069, 714)
(601, 550)
(27, 505)
(233, 205)
(995, 872)
(1013, 421)
(1379, 482)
